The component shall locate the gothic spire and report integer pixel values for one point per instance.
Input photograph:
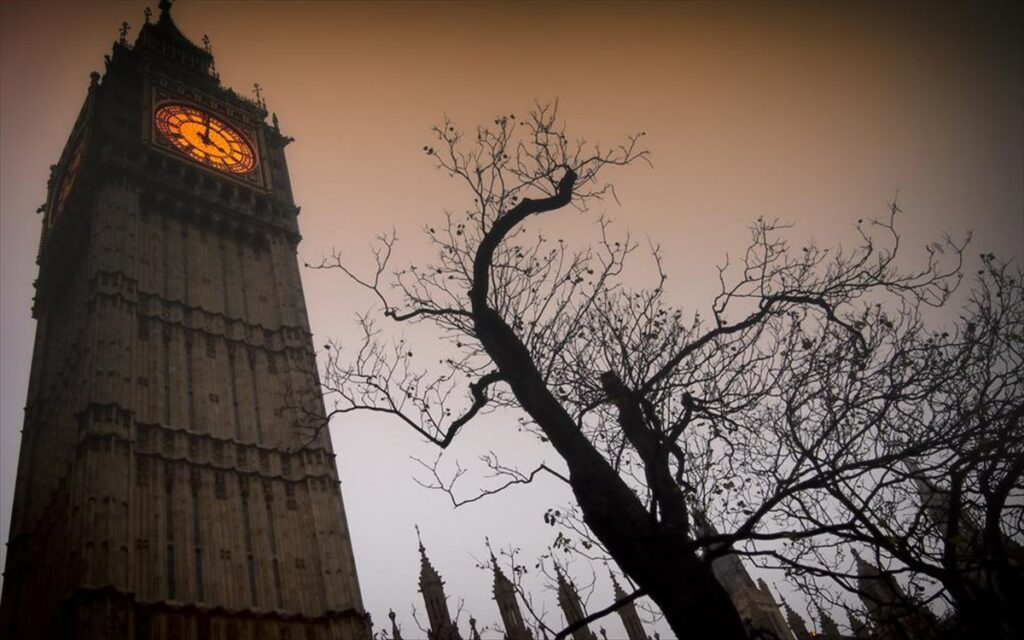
(572, 606)
(796, 623)
(829, 627)
(865, 569)
(508, 606)
(502, 584)
(886, 603)
(860, 628)
(627, 612)
(428, 574)
(434, 598)
(616, 589)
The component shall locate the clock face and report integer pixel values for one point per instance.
(205, 139)
(67, 180)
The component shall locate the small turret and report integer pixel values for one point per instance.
(395, 633)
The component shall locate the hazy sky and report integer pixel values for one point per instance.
(814, 113)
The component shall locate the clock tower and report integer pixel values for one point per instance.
(174, 481)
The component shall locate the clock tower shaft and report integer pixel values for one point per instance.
(173, 482)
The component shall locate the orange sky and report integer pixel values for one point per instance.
(817, 113)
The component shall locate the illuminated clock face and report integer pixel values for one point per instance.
(67, 180)
(205, 139)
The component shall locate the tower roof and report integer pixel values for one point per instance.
(167, 28)
(165, 39)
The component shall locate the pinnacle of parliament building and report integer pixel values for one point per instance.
(431, 585)
(172, 482)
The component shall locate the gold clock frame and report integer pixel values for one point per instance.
(202, 136)
(160, 90)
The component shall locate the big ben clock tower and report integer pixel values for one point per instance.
(171, 484)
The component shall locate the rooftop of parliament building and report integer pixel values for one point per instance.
(886, 611)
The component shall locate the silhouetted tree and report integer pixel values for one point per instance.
(784, 417)
(943, 520)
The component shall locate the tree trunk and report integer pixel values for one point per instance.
(657, 556)
(984, 614)
(664, 564)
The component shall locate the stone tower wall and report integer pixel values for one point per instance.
(172, 481)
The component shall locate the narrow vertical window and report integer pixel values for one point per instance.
(197, 535)
(251, 561)
(169, 527)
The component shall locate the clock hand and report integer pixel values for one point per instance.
(212, 142)
(205, 135)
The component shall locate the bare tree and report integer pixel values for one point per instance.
(779, 417)
(937, 503)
